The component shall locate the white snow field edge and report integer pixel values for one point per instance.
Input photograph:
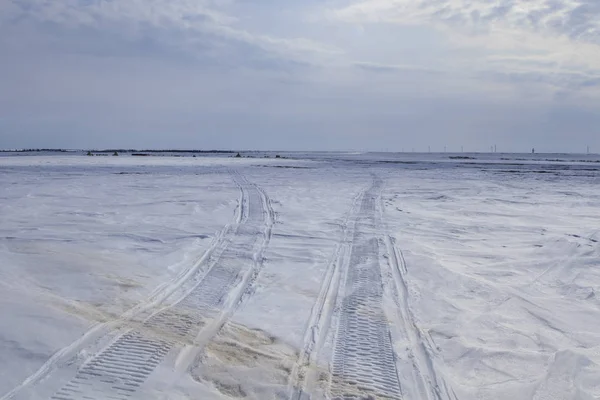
(216, 278)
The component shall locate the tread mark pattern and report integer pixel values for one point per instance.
(304, 372)
(363, 365)
(120, 369)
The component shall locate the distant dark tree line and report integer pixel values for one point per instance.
(117, 151)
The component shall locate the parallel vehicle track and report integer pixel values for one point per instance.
(363, 364)
(367, 270)
(122, 367)
(305, 371)
(362, 308)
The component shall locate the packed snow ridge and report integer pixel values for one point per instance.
(309, 276)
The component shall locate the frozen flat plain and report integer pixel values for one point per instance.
(315, 276)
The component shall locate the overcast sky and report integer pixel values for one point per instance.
(301, 75)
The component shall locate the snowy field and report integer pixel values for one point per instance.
(313, 276)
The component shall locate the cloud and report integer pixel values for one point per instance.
(188, 25)
(370, 74)
(377, 67)
(576, 19)
(552, 41)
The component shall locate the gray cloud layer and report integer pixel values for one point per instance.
(371, 74)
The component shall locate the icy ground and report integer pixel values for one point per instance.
(319, 277)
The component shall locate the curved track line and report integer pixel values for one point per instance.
(304, 371)
(142, 348)
(259, 256)
(158, 296)
(97, 331)
(120, 369)
(242, 290)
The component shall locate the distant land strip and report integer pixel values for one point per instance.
(117, 150)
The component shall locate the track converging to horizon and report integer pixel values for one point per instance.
(349, 318)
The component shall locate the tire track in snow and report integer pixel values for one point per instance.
(140, 312)
(425, 382)
(259, 255)
(246, 285)
(122, 367)
(303, 374)
(119, 370)
(364, 364)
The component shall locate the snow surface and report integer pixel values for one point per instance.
(318, 275)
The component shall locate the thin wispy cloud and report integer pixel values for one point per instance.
(576, 19)
(191, 21)
(551, 38)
